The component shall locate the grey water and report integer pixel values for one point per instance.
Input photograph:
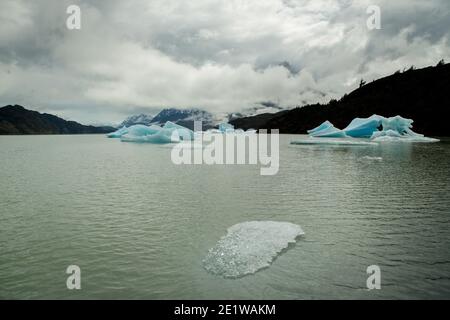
(139, 226)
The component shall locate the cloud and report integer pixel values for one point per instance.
(219, 55)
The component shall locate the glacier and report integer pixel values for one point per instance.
(250, 246)
(375, 128)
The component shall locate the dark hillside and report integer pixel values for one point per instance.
(18, 120)
(422, 95)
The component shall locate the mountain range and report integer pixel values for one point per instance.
(186, 117)
(183, 117)
(422, 95)
(18, 120)
(142, 118)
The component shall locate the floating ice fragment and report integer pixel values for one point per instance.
(391, 138)
(371, 159)
(249, 247)
(333, 142)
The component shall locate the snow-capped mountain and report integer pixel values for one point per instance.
(185, 117)
(174, 115)
(260, 108)
(145, 119)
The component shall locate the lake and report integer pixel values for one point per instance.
(139, 226)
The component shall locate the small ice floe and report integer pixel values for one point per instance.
(371, 159)
(333, 142)
(392, 137)
(249, 247)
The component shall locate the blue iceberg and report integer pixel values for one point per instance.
(327, 124)
(169, 133)
(376, 128)
(134, 130)
(327, 130)
(143, 130)
(178, 132)
(156, 138)
(363, 127)
(226, 127)
(118, 133)
(229, 128)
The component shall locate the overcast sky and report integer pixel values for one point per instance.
(219, 55)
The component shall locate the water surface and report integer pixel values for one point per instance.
(139, 226)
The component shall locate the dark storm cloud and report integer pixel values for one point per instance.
(220, 55)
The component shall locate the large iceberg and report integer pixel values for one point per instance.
(169, 133)
(249, 247)
(134, 130)
(327, 130)
(226, 127)
(376, 128)
(327, 124)
(139, 130)
(363, 127)
(118, 133)
(177, 132)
